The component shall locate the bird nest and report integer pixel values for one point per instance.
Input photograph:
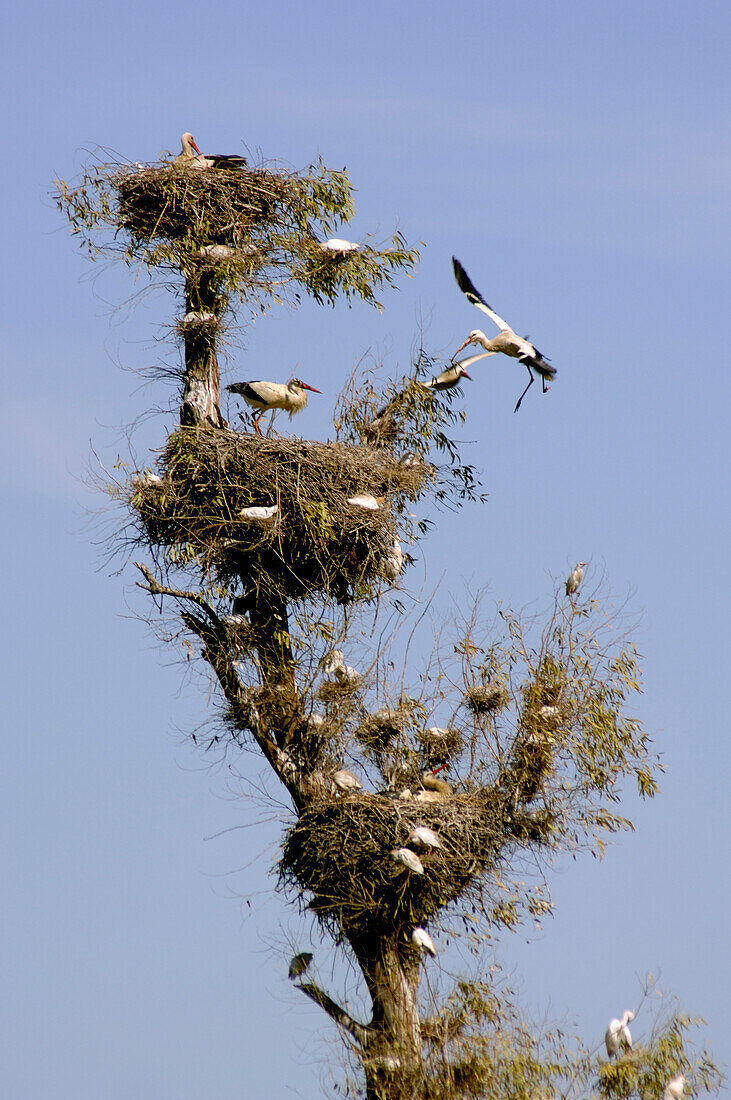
(173, 202)
(315, 541)
(337, 857)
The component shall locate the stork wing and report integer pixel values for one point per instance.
(473, 295)
(465, 363)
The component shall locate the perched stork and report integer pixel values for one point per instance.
(449, 378)
(423, 942)
(506, 340)
(575, 578)
(674, 1088)
(366, 501)
(337, 247)
(260, 514)
(190, 156)
(423, 837)
(617, 1037)
(393, 564)
(431, 782)
(264, 396)
(408, 860)
(335, 668)
(346, 781)
(299, 965)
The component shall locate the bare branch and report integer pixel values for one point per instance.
(359, 1031)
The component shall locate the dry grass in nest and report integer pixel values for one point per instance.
(338, 855)
(486, 698)
(318, 542)
(439, 746)
(171, 202)
(377, 731)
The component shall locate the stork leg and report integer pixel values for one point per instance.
(255, 420)
(532, 380)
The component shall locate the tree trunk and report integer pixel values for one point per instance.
(201, 391)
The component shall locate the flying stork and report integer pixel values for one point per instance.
(454, 374)
(264, 396)
(506, 340)
(190, 156)
(617, 1036)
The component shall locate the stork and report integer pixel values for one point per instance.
(575, 578)
(366, 501)
(337, 247)
(264, 396)
(190, 156)
(346, 781)
(674, 1088)
(260, 514)
(506, 340)
(617, 1036)
(335, 668)
(423, 837)
(449, 378)
(299, 965)
(423, 942)
(408, 860)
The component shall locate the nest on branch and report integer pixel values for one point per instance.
(337, 858)
(314, 542)
(486, 698)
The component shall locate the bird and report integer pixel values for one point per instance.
(393, 564)
(674, 1088)
(190, 156)
(422, 837)
(346, 781)
(256, 514)
(337, 247)
(366, 501)
(336, 669)
(218, 252)
(575, 578)
(431, 782)
(299, 965)
(506, 340)
(449, 378)
(422, 941)
(407, 859)
(264, 396)
(617, 1036)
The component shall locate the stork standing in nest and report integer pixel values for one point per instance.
(506, 341)
(266, 396)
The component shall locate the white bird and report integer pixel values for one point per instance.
(315, 721)
(365, 501)
(454, 374)
(299, 965)
(193, 318)
(575, 578)
(393, 564)
(408, 860)
(617, 1036)
(217, 252)
(337, 247)
(346, 781)
(674, 1088)
(422, 837)
(506, 341)
(257, 514)
(423, 942)
(147, 478)
(190, 156)
(335, 668)
(234, 619)
(264, 396)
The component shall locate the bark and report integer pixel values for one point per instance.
(201, 390)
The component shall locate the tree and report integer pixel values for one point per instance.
(535, 738)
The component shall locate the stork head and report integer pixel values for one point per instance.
(298, 384)
(188, 142)
(477, 336)
(629, 1014)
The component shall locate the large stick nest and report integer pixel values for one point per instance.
(337, 856)
(318, 542)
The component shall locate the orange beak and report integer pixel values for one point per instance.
(306, 387)
(196, 148)
(461, 346)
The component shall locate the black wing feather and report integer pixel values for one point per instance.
(466, 285)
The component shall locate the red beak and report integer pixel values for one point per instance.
(466, 375)
(464, 345)
(306, 387)
(196, 148)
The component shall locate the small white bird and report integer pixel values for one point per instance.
(393, 565)
(219, 252)
(315, 721)
(422, 837)
(234, 620)
(408, 860)
(617, 1036)
(365, 501)
(423, 942)
(299, 965)
(674, 1088)
(337, 247)
(506, 341)
(336, 669)
(259, 514)
(264, 396)
(346, 781)
(454, 374)
(193, 318)
(190, 156)
(575, 578)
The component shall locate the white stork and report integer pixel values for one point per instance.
(506, 341)
(575, 578)
(423, 942)
(674, 1088)
(335, 668)
(190, 156)
(617, 1036)
(423, 837)
(264, 396)
(366, 501)
(454, 374)
(408, 860)
(337, 247)
(346, 781)
(260, 514)
(393, 564)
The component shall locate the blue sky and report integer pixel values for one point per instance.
(576, 158)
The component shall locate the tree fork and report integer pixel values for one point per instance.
(202, 389)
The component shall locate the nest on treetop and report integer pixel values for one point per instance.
(337, 857)
(316, 542)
